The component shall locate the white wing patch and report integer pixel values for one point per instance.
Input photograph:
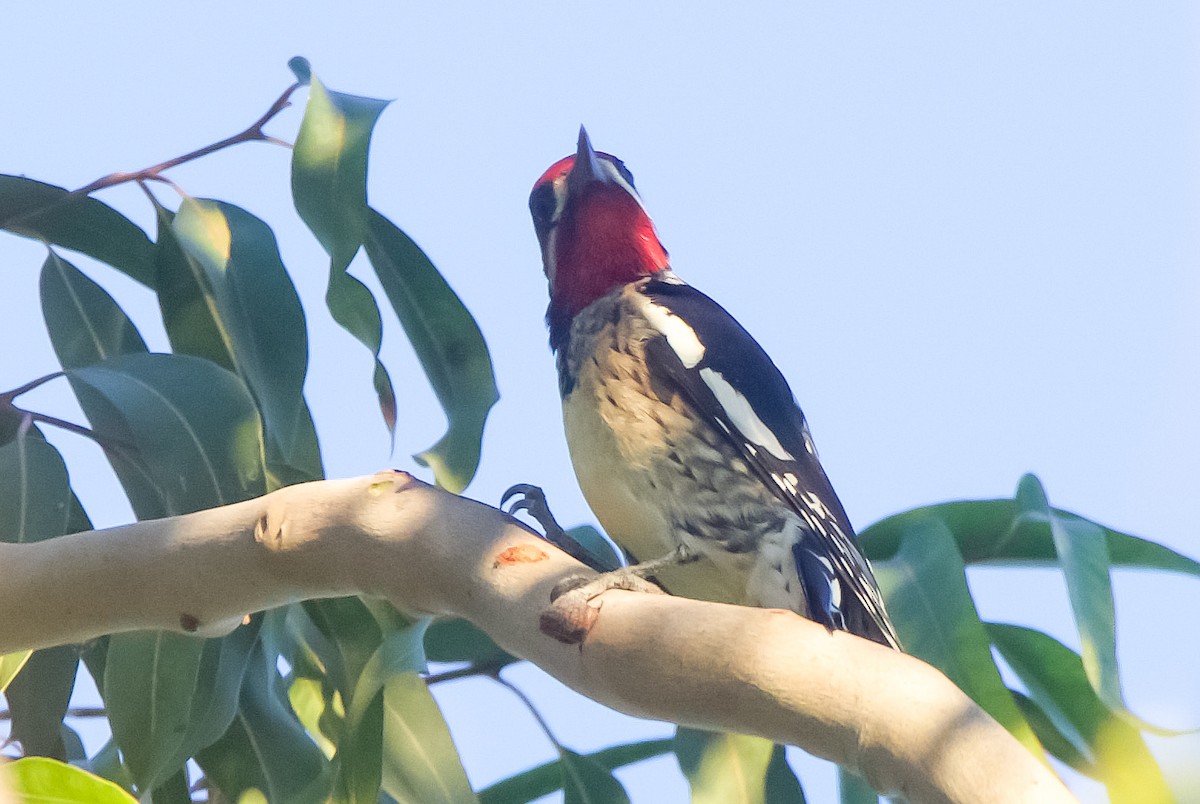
(742, 414)
(680, 336)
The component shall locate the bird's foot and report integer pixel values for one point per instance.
(532, 500)
(574, 605)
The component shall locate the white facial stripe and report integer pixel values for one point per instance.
(681, 337)
(738, 408)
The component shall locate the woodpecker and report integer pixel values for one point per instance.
(686, 439)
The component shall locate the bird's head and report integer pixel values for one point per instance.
(594, 232)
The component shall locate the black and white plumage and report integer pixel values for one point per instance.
(682, 431)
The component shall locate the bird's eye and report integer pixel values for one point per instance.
(542, 204)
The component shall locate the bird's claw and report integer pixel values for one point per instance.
(533, 501)
(574, 607)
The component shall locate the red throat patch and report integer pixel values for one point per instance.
(604, 240)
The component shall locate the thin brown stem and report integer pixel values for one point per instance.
(541, 721)
(79, 711)
(9, 396)
(252, 133)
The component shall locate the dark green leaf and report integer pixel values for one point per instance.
(724, 767)
(1055, 678)
(35, 492)
(239, 281)
(1054, 741)
(925, 587)
(585, 781)
(149, 680)
(395, 735)
(53, 215)
(38, 699)
(183, 433)
(174, 790)
(545, 779)
(993, 532)
(266, 748)
(352, 635)
(86, 325)
(782, 785)
(39, 779)
(454, 640)
(1083, 556)
(329, 188)
(600, 549)
(854, 789)
(447, 341)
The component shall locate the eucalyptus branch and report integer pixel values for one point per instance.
(254, 133)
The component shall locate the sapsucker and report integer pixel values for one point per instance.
(686, 439)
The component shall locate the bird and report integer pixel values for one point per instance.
(686, 439)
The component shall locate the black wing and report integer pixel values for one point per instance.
(829, 563)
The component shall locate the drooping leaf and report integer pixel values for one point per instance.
(1058, 684)
(783, 786)
(266, 751)
(455, 640)
(447, 341)
(86, 325)
(352, 637)
(54, 215)
(420, 762)
(329, 188)
(545, 779)
(724, 767)
(600, 549)
(994, 532)
(1083, 555)
(1054, 741)
(585, 781)
(853, 789)
(39, 780)
(38, 699)
(395, 736)
(238, 279)
(183, 433)
(35, 492)
(149, 680)
(924, 584)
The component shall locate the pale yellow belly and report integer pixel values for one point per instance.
(616, 476)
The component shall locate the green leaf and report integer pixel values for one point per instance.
(38, 699)
(724, 767)
(149, 679)
(86, 325)
(447, 341)
(329, 188)
(1056, 680)
(585, 781)
(545, 779)
(10, 665)
(239, 284)
(35, 492)
(39, 780)
(1054, 741)
(54, 215)
(266, 749)
(994, 532)
(1083, 556)
(395, 734)
(420, 762)
(783, 787)
(600, 549)
(352, 636)
(455, 640)
(925, 587)
(182, 433)
(854, 789)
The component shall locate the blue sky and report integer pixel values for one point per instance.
(967, 234)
